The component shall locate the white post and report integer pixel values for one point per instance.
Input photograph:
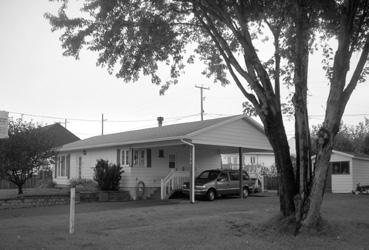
(193, 176)
(262, 183)
(162, 189)
(72, 210)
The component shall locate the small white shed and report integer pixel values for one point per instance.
(346, 171)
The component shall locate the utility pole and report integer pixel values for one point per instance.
(202, 99)
(102, 124)
(65, 123)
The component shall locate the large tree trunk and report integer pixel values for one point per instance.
(302, 135)
(20, 189)
(274, 130)
(325, 143)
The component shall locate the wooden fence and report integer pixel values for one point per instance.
(34, 181)
(271, 183)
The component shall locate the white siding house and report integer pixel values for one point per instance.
(152, 155)
(254, 162)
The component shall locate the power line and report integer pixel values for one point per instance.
(92, 120)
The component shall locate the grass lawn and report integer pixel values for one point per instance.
(222, 224)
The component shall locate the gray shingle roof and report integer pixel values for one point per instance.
(163, 133)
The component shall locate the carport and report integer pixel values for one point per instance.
(237, 135)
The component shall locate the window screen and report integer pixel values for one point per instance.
(340, 167)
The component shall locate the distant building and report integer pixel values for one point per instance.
(346, 171)
(58, 134)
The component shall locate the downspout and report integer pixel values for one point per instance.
(192, 186)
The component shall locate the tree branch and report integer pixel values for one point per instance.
(358, 70)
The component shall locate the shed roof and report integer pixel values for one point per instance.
(163, 133)
(360, 156)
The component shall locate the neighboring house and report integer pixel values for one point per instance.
(157, 156)
(346, 171)
(58, 135)
(253, 162)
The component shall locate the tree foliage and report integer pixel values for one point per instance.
(353, 139)
(24, 152)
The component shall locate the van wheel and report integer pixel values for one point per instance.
(245, 192)
(210, 194)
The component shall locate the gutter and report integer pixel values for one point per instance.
(192, 186)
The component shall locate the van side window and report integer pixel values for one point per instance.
(223, 177)
(245, 176)
(234, 176)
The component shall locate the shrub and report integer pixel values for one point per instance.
(48, 184)
(107, 175)
(83, 184)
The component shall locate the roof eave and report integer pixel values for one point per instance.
(106, 145)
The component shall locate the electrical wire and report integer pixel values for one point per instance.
(175, 118)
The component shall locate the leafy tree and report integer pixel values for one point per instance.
(138, 37)
(349, 138)
(107, 175)
(24, 152)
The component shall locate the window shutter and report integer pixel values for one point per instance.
(56, 167)
(130, 157)
(68, 166)
(148, 157)
(118, 156)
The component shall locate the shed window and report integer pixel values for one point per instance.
(340, 167)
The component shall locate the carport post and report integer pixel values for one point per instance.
(192, 183)
(240, 168)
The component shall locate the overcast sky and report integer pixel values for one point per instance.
(36, 79)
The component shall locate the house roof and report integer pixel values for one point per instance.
(58, 134)
(164, 133)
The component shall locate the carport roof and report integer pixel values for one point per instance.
(163, 133)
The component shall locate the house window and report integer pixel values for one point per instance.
(172, 161)
(161, 153)
(340, 167)
(252, 160)
(63, 166)
(125, 157)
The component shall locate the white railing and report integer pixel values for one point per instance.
(173, 182)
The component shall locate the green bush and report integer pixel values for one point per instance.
(48, 184)
(83, 184)
(107, 175)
